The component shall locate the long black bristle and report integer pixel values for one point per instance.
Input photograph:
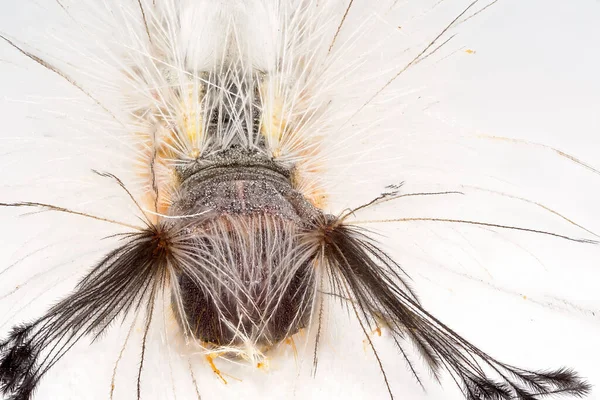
(118, 285)
(362, 272)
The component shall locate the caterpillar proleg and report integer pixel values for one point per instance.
(287, 199)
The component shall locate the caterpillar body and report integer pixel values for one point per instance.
(225, 141)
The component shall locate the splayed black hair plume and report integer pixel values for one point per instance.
(362, 273)
(124, 281)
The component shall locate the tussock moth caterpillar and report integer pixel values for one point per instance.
(236, 157)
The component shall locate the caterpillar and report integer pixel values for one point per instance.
(219, 183)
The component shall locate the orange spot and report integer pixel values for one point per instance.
(376, 331)
(469, 51)
(263, 366)
(524, 297)
(155, 154)
(210, 358)
(303, 181)
(290, 341)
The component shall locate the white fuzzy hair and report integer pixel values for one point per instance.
(191, 59)
(244, 266)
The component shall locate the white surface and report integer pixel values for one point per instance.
(526, 299)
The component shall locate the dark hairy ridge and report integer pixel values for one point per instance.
(122, 282)
(367, 280)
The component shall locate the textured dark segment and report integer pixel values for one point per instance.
(207, 324)
(237, 189)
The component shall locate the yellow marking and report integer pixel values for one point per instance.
(192, 126)
(280, 126)
(195, 153)
(273, 123)
(469, 51)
